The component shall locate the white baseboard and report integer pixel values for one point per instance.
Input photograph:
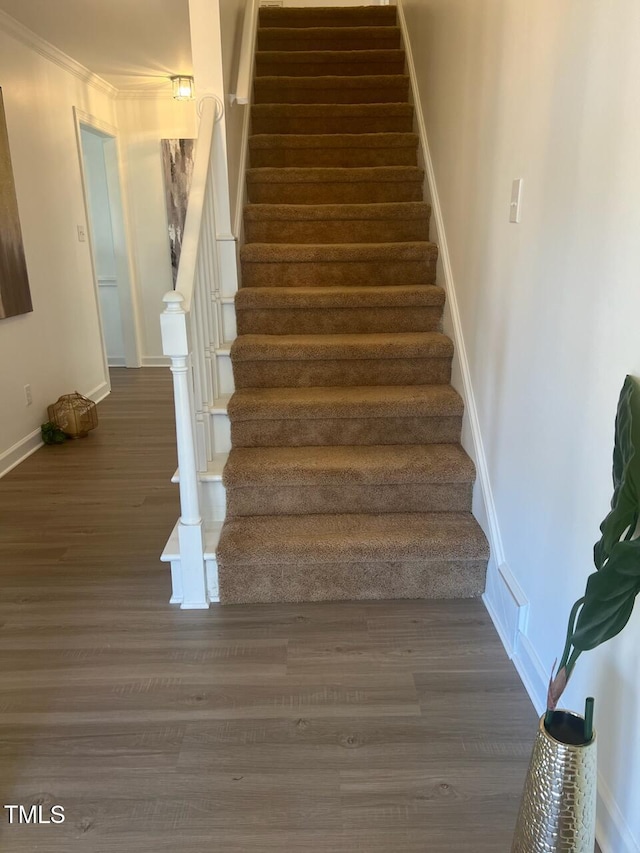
(507, 605)
(156, 361)
(99, 392)
(532, 673)
(16, 454)
(117, 361)
(612, 831)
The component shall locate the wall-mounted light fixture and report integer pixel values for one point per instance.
(182, 87)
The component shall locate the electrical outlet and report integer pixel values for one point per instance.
(27, 394)
(82, 234)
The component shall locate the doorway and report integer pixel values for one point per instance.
(106, 235)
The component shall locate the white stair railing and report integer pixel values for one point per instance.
(191, 334)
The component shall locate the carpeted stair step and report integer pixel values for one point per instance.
(333, 149)
(376, 89)
(328, 16)
(338, 310)
(365, 479)
(394, 222)
(312, 63)
(294, 417)
(346, 478)
(288, 361)
(329, 38)
(351, 556)
(335, 186)
(328, 265)
(331, 118)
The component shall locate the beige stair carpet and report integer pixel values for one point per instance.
(346, 477)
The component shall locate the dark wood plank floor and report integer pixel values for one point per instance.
(383, 727)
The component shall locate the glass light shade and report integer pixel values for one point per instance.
(182, 88)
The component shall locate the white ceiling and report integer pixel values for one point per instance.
(133, 44)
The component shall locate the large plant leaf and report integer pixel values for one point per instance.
(625, 504)
(609, 597)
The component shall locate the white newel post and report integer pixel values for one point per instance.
(175, 344)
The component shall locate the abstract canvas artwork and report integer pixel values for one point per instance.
(15, 296)
(177, 166)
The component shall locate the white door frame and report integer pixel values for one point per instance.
(120, 226)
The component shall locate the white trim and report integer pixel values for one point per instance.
(171, 554)
(18, 452)
(95, 122)
(507, 605)
(99, 392)
(497, 624)
(532, 673)
(156, 361)
(49, 51)
(612, 831)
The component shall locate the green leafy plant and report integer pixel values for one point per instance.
(611, 590)
(51, 434)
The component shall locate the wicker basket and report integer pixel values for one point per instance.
(74, 414)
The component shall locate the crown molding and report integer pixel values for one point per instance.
(23, 34)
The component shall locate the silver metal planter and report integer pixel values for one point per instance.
(558, 808)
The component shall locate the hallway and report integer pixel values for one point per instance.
(381, 727)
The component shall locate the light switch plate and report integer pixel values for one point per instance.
(516, 200)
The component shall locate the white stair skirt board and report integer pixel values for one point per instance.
(221, 425)
(212, 492)
(229, 328)
(224, 369)
(171, 554)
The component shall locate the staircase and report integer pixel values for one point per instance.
(346, 478)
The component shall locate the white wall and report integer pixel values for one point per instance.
(56, 349)
(142, 123)
(547, 90)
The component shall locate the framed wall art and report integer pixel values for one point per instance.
(177, 167)
(15, 296)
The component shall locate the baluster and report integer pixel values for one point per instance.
(175, 344)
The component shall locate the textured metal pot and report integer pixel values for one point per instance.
(558, 808)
